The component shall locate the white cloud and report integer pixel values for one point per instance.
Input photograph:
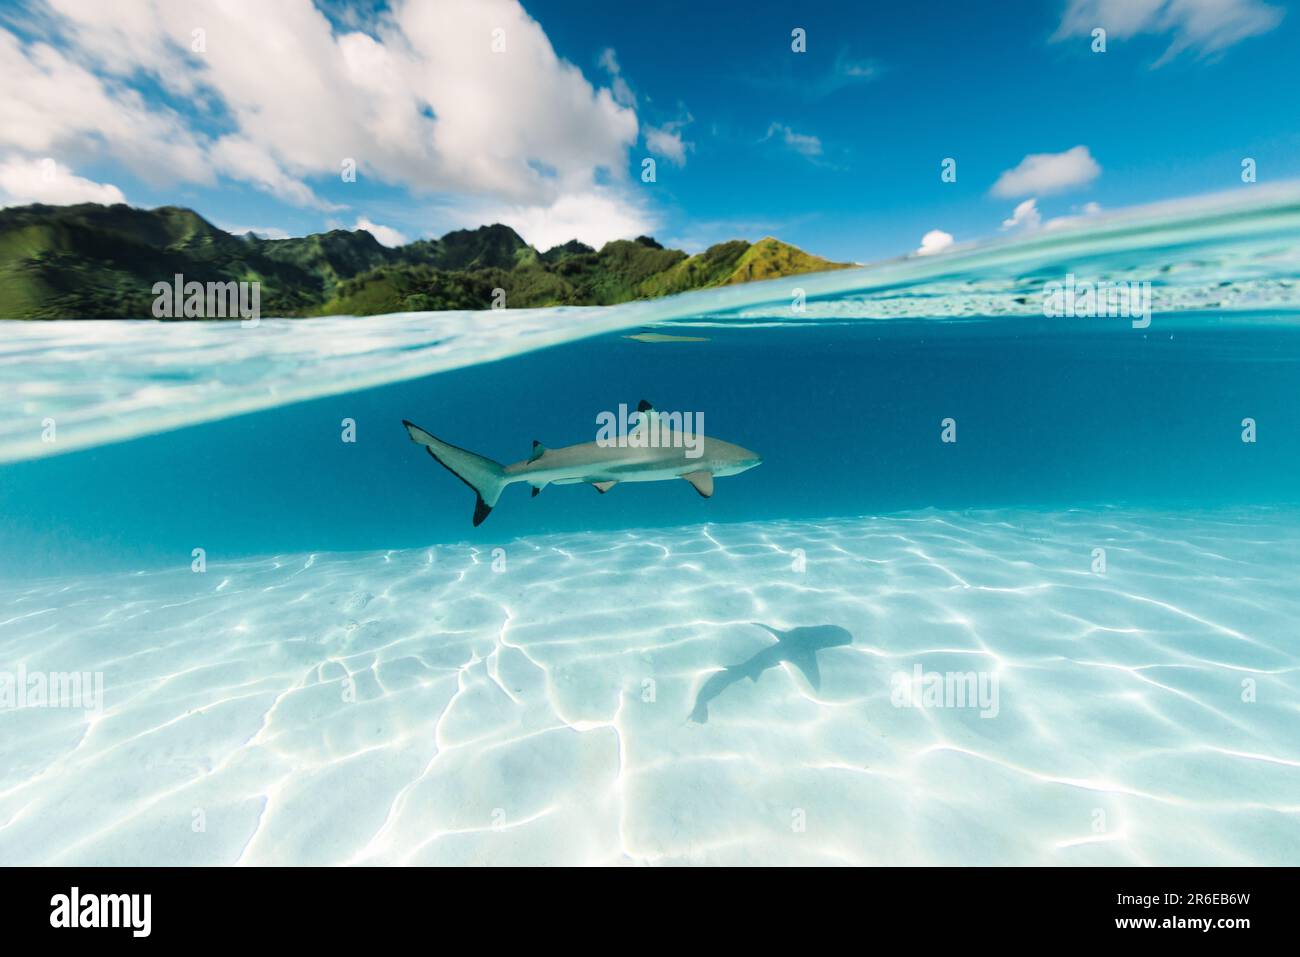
(1044, 173)
(936, 240)
(241, 158)
(666, 140)
(594, 217)
(261, 232)
(1201, 26)
(45, 181)
(804, 144)
(1026, 217)
(845, 72)
(56, 107)
(386, 235)
(856, 71)
(623, 94)
(420, 102)
(1077, 215)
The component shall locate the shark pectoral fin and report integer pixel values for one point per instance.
(538, 451)
(603, 487)
(703, 482)
(537, 489)
(805, 659)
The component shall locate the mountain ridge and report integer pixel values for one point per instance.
(95, 261)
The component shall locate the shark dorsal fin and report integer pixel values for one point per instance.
(645, 412)
(538, 451)
(603, 487)
(703, 482)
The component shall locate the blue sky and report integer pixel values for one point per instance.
(837, 149)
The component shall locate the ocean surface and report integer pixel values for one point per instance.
(1006, 588)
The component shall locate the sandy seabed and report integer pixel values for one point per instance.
(532, 706)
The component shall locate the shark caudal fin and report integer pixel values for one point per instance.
(485, 477)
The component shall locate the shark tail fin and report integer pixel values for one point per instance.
(485, 477)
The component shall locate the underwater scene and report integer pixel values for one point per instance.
(986, 557)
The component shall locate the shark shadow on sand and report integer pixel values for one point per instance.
(799, 646)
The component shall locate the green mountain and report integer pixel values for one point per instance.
(92, 261)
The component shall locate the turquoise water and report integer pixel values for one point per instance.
(357, 674)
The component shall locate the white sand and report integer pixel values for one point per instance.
(500, 717)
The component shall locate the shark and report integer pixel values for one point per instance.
(698, 461)
(798, 646)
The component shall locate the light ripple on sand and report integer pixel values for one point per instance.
(501, 717)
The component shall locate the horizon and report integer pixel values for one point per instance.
(362, 229)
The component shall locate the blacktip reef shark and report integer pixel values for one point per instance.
(798, 646)
(602, 465)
